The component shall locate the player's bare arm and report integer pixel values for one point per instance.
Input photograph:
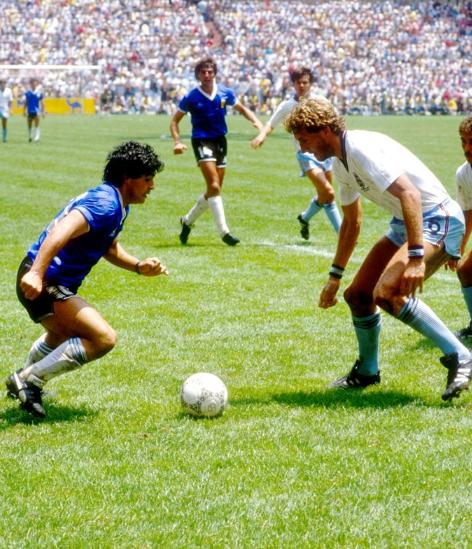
(258, 141)
(71, 226)
(179, 147)
(347, 240)
(249, 115)
(119, 257)
(410, 199)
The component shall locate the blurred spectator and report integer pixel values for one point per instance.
(393, 56)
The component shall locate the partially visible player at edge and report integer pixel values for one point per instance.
(6, 99)
(464, 197)
(84, 231)
(318, 172)
(425, 232)
(207, 106)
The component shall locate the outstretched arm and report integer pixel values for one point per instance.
(249, 115)
(150, 266)
(179, 147)
(261, 137)
(410, 200)
(347, 240)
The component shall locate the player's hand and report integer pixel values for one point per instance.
(152, 267)
(328, 293)
(257, 142)
(179, 148)
(31, 285)
(413, 277)
(451, 264)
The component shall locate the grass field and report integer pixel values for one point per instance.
(291, 464)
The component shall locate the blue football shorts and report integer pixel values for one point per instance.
(308, 161)
(443, 225)
(43, 305)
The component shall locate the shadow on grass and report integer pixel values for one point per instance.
(55, 414)
(333, 398)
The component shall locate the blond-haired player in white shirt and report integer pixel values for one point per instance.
(425, 232)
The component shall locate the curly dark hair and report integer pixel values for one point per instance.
(465, 126)
(131, 159)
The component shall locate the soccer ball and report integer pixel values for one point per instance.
(204, 395)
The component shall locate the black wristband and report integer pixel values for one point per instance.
(136, 268)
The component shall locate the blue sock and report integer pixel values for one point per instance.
(467, 293)
(313, 208)
(368, 334)
(418, 315)
(331, 210)
(4, 134)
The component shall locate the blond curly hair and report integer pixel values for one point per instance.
(465, 127)
(313, 115)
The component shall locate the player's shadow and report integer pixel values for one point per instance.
(335, 399)
(55, 414)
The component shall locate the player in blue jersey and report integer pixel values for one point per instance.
(207, 106)
(48, 279)
(34, 109)
(318, 172)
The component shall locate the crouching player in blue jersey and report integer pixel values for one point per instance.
(425, 233)
(84, 231)
(207, 107)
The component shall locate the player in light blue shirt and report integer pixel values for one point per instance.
(207, 107)
(48, 278)
(34, 109)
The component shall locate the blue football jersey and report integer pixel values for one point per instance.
(208, 112)
(32, 99)
(103, 209)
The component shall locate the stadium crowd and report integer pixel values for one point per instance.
(391, 56)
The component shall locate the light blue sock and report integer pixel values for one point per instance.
(418, 315)
(313, 208)
(332, 212)
(4, 134)
(467, 293)
(368, 335)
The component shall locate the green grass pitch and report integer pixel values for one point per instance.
(291, 464)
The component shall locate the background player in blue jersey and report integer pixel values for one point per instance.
(34, 109)
(85, 230)
(207, 106)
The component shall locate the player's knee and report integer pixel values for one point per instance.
(105, 341)
(214, 188)
(387, 299)
(356, 298)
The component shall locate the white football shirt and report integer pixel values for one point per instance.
(374, 162)
(464, 186)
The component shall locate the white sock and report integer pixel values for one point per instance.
(69, 356)
(218, 211)
(200, 207)
(38, 350)
(37, 134)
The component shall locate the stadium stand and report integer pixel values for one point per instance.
(370, 57)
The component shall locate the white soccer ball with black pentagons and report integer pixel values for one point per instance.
(204, 395)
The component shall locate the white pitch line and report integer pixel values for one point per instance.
(308, 250)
